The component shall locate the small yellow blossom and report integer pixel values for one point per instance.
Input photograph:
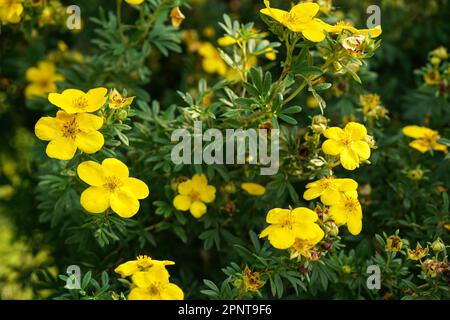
(252, 280)
(394, 243)
(10, 11)
(329, 189)
(287, 225)
(432, 77)
(305, 248)
(142, 263)
(76, 101)
(417, 253)
(253, 189)
(69, 132)
(426, 139)
(300, 19)
(371, 106)
(117, 101)
(440, 53)
(154, 285)
(193, 194)
(176, 17)
(42, 78)
(111, 186)
(348, 143)
(348, 211)
(434, 267)
(212, 61)
(134, 2)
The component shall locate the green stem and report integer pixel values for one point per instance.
(119, 17)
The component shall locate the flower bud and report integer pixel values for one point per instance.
(438, 246)
(319, 124)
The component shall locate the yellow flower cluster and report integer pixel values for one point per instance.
(10, 11)
(193, 194)
(425, 139)
(150, 279)
(73, 127)
(341, 197)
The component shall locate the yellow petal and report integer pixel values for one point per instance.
(226, 41)
(61, 148)
(182, 203)
(90, 142)
(140, 294)
(95, 199)
(304, 215)
(136, 187)
(89, 122)
(199, 181)
(349, 159)
(362, 149)
(208, 194)
(47, 128)
(172, 292)
(277, 215)
(275, 14)
(339, 214)
(127, 269)
(334, 133)
(415, 131)
(330, 197)
(372, 32)
(354, 224)
(124, 204)
(312, 193)
(92, 173)
(332, 147)
(185, 188)
(346, 184)
(306, 10)
(58, 100)
(198, 209)
(440, 147)
(281, 238)
(420, 145)
(157, 273)
(355, 131)
(96, 99)
(115, 167)
(313, 31)
(253, 189)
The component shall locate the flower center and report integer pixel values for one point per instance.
(70, 128)
(80, 103)
(291, 18)
(195, 195)
(351, 204)
(144, 262)
(153, 289)
(288, 223)
(430, 139)
(113, 183)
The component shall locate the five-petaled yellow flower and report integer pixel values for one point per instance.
(118, 101)
(426, 139)
(300, 19)
(76, 101)
(111, 186)
(142, 263)
(418, 253)
(42, 79)
(10, 11)
(154, 285)
(253, 189)
(394, 243)
(287, 225)
(69, 132)
(348, 143)
(193, 194)
(348, 211)
(329, 189)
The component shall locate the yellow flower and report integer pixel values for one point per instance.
(440, 53)
(76, 101)
(226, 41)
(69, 132)
(394, 243)
(193, 194)
(287, 225)
(348, 211)
(305, 248)
(134, 2)
(10, 11)
(417, 253)
(177, 17)
(426, 139)
(432, 77)
(354, 45)
(110, 186)
(253, 189)
(117, 101)
(348, 143)
(142, 263)
(329, 189)
(344, 25)
(252, 280)
(212, 61)
(299, 19)
(154, 285)
(42, 78)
